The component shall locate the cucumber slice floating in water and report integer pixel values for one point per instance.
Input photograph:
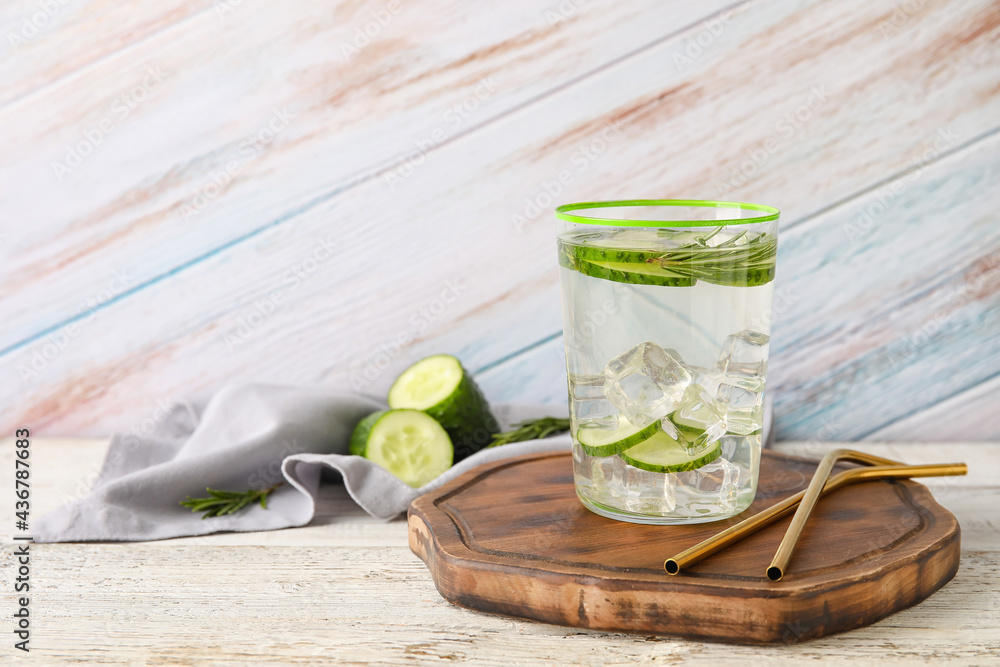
(634, 273)
(661, 453)
(636, 253)
(608, 442)
(439, 386)
(740, 261)
(408, 443)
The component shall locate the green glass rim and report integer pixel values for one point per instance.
(564, 212)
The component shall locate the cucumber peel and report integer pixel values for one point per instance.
(634, 273)
(608, 442)
(441, 387)
(408, 443)
(661, 453)
(638, 261)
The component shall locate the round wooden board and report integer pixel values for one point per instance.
(511, 538)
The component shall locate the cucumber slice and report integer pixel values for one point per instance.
(408, 443)
(439, 386)
(661, 453)
(607, 442)
(632, 253)
(633, 273)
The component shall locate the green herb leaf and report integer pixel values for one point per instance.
(533, 429)
(222, 503)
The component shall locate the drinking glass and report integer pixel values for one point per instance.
(666, 318)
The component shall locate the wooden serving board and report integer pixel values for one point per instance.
(511, 538)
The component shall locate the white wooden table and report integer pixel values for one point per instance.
(347, 590)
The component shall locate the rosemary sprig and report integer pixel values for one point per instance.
(532, 429)
(221, 503)
(751, 262)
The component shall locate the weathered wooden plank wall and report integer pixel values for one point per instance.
(268, 193)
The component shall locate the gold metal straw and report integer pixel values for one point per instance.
(735, 533)
(784, 553)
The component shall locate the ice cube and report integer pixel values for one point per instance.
(588, 406)
(720, 479)
(653, 492)
(708, 378)
(645, 383)
(742, 399)
(744, 352)
(669, 428)
(700, 420)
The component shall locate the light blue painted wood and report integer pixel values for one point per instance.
(537, 375)
(974, 414)
(692, 127)
(883, 330)
(892, 319)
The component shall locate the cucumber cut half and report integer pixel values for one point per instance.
(661, 453)
(608, 442)
(408, 443)
(441, 387)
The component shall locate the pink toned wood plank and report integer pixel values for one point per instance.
(222, 125)
(48, 40)
(456, 218)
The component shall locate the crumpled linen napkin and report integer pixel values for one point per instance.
(249, 436)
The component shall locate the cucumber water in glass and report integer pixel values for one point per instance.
(667, 321)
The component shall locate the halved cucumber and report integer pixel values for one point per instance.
(439, 386)
(408, 443)
(661, 453)
(607, 442)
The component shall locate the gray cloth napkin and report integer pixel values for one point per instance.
(249, 436)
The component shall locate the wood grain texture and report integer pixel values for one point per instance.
(302, 598)
(669, 125)
(975, 412)
(45, 42)
(902, 348)
(260, 112)
(512, 538)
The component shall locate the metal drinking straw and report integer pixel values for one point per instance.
(735, 533)
(812, 493)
